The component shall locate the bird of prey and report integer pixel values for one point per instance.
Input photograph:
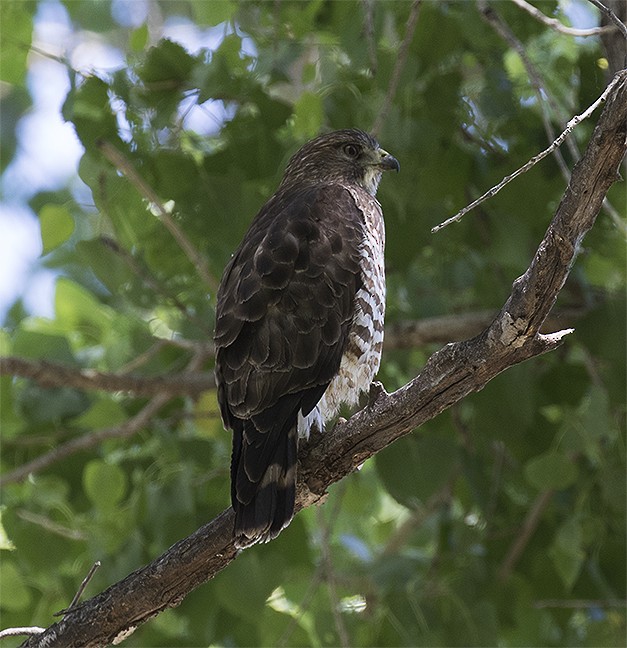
(299, 321)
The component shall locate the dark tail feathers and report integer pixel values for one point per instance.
(263, 482)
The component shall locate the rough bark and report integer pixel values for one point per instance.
(450, 374)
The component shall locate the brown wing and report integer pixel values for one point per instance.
(284, 310)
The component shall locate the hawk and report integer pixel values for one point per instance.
(299, 319)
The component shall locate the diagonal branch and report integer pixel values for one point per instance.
(401, 59)
(618, 80)
(450, 374)
(126, 167)
(86, 441)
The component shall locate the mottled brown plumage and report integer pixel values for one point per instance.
(299, 322)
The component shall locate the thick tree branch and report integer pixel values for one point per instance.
(450, 374)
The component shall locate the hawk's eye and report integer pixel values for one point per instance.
(351, 150)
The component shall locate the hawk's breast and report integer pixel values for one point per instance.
(362, 355)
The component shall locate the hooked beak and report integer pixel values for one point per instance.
(388, 162)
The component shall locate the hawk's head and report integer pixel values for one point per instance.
(348, 156)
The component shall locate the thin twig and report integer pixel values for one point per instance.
(87, 441)
(50, 525)
(368, 6)
(611, 15)
(144, 274)
(580, 603)
(121, 162)
(81, 589)
(572, 124)
(555, 24)
(526, 532)
(401, 59)
(543, 97)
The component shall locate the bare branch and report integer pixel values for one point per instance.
(122, 163)
(53, 374)
(555, 24)
(90, 574)
(543, 97)
(450, 374)
(87, 441)
(401, 59)
(525, 534)
(572, 124)
(612, 17)
(410, 334)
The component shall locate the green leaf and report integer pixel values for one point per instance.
(214, 12)
(88, 107)
(551, 470)
(16, 28)
(166, 61)
(104, 484)
(103, 413)
(108, 266)
(139, 38)
(33, 344)
(5, 542)
(78, 309)
(567, 552)
(56, 225)
(11, 581)
(39, 404)
(308, 115)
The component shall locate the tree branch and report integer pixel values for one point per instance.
(555, 24)
(411, 334)
(618, 80)
(125, 166)
(54, 374)
(401, 59)
(450, 374)
(127, 429)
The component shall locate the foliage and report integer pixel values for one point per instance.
(418, 547)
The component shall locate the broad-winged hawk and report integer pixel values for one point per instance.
(299, 322)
